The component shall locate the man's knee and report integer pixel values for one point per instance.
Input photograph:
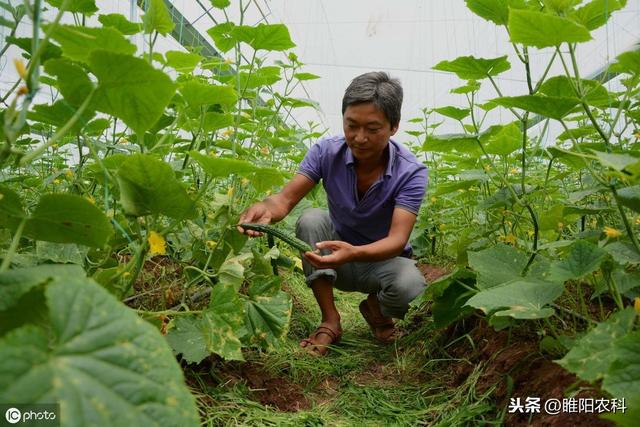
(309, 220)
(407, 284)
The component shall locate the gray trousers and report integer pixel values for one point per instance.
(396, 281)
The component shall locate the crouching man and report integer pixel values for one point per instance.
(374, 188)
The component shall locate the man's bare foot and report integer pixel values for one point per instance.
(326, 334)
(382, 327)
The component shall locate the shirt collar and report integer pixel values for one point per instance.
(349, 160)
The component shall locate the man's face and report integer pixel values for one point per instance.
(367, 131)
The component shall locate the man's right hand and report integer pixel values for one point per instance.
(257, 213)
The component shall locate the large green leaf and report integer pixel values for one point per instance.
(73, 82)
(15, 283)
(130, 89)
(218, 166)
(79, 42)
(623, 378)
(99, 361)
(262, 36)
(197, 94)
(623, 253)
(58, 114)
(157, 18)
(555, 107)
(591, 356)
(497, 264)
(583, 258)
(267, 319)
(86, 7)
(496, 11)
(149, 186)
(630, 197)
(183, 62)
(615, 161)
(519, 298)
(11, 211)
(216, 330)
(544, 30)
(68, 218)
(120, 23)
(471, 68)
(505, 141)
(596, 13)
(453, 112)
(593, 91)
(462, 143)
(628, 62)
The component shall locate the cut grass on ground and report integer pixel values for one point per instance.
(360, 382)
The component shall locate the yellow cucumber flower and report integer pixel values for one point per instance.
(612, 233)
(157, 244)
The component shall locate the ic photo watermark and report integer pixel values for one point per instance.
(45, 414)
(571, 405)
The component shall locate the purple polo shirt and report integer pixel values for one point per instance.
(366, 220)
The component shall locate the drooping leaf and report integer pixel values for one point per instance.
(623, 378)
(120, 23)
(184, 62)
(623, 253)
(86, 7)
(471, 68)
(197, 94)
(78, 43)
(15, 283)
(157, 18)
(11, 210)
(51, 50)
(541, 29)
(59, 113)
(267, 319)
(220, 4)
(596, 13)
(454, 142)
(218, 166)
(630, 197)
(68, 218)
(615, 161)
(497, 264)
(453, 112)
(215, 121)
(100, 361)
(591, 356)
(555, 107)
(265, 36)
(130, 89)
(496, 11)
(73, 82)
(306, 76)
(584, 258)
(149, 186)
(519, 298)
(215, 331)
(505, 141)
(628, 62)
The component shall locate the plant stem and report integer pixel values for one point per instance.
(6, 261)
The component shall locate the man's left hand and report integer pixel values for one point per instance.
(341, 252)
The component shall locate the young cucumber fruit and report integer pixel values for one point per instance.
(275, 232)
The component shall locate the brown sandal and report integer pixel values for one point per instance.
(321, 349)
(377, 322)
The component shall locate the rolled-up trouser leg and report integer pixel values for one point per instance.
(313, 226)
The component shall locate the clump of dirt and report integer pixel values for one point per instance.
(270, 390)
(532, 374)
(432, 272)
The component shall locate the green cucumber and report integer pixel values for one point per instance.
(275, 232)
